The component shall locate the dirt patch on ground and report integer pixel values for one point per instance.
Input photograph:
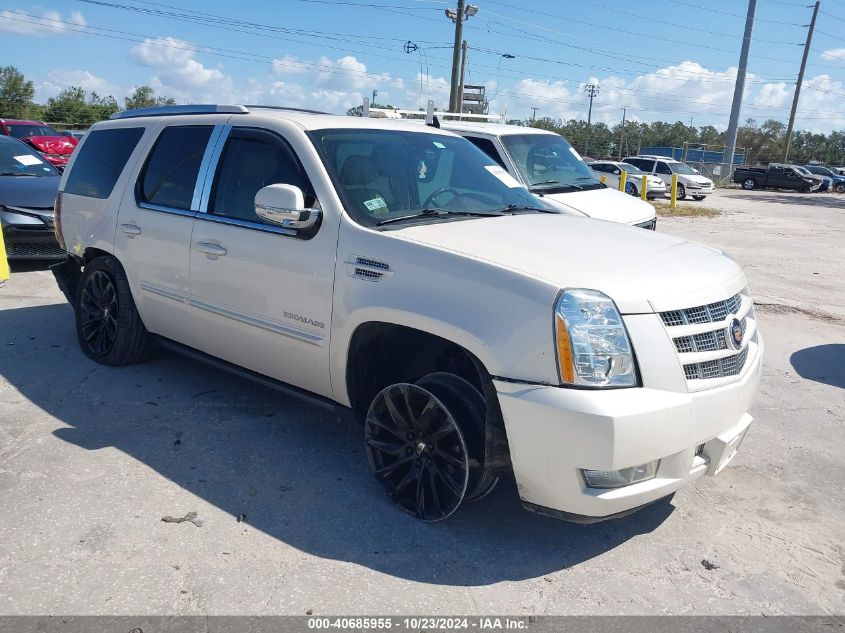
(683, 210)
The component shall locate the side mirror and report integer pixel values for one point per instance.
(616, 172)
(285, 205)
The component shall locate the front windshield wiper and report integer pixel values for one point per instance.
(436, 212)
(558, 189)
(517, 208)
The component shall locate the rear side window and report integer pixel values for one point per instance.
(101, 160)
(169, 177)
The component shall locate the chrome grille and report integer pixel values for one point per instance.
(710, 313)
(730, 366)
(704, 342)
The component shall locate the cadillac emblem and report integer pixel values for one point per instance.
(735, 333)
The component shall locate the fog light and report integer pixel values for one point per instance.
(620, 478)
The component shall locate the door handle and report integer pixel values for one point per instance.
(130, 229)
(210, 249)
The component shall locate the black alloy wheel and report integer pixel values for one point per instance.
(98, 313)
(417, 451)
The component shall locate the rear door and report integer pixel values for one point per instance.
(261, 294)
(154, 227)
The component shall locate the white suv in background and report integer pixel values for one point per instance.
(392, 271)
(690, 182)
(612, 171)
(549, 167)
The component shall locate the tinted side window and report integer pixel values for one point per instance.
(487, 146)
(171, 171)
(253, 159)
(607, 169)
(663, 168)
(101, 160)
(639, 162)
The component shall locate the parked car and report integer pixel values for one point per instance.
(837, 181)
(690, 182)
(549, 166)
(53, 146)
(392, 271)
(77, 134)
(778, 176)
(28, 186)
(612, 170)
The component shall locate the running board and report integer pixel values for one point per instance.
(271, 383)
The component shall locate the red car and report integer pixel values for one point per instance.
(55, 147)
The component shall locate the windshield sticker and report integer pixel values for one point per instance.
(377, 206)
(575, 154)
(421, 170)
(439, 145)
(501, 174)
(28, 159)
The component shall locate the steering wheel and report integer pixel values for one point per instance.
(429, 202)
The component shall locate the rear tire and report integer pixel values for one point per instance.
(108, 325)
(749, 183)
(840, 188)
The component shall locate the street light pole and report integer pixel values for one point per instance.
(463, 12)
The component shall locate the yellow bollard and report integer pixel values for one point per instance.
(603, 180)
(644, 188)
(623, 180)
(4, 263)
(674, 193)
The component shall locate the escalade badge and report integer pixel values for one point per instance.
(735, 333)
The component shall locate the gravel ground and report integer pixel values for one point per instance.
(92, 458)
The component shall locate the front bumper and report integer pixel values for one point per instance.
(26, 242)
(555, 432)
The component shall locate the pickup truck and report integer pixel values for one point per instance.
(776, 176)
(396, 273)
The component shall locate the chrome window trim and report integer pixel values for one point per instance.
(188, 213)
(209, 169)
(200, 184)
(255, 226)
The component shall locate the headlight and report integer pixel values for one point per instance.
(592, 345)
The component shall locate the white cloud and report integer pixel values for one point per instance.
(58, 80)
(837, 54)
(47, 23)
(179, 74)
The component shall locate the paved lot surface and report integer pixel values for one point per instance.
(91, 459)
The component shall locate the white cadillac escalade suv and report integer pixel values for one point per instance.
(395, 271)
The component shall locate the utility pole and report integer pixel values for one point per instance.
(534, 114)
(739, 89)
(800, 81)
(458, 17)
(375, 93)
(592, 90)
(622, 134)
(463, 72)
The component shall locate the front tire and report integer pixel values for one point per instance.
(682, 192)
(108, 325)
(840, 188)
(631, 189)
(699, 198)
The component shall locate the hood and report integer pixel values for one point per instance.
(641, 271)
(700, 180)
(606, 204)
(32, 192)
(52, 144)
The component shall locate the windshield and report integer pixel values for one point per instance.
(18, 160)
(802, 170)
(548, 163)
(382, 175)
(631, 169)
(680, 168)
(25, 131)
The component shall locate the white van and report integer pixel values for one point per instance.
(551, 168)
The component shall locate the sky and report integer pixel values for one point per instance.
(670, 60)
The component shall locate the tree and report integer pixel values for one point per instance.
(74, 107)
(145, 97)
(358, 110)
(15, 93)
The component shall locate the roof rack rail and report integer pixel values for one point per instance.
(288, 109)
(173, 110)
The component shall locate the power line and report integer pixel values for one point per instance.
(727, 13)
